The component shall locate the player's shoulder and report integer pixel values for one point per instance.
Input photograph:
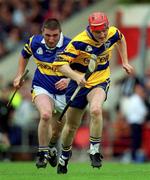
(113, 31)
(37, 38)
(80, 37)
(80, 40)
(66, 40)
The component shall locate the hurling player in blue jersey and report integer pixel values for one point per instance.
(48, 87)
(99, 39)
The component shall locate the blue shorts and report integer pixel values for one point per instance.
(80, 101)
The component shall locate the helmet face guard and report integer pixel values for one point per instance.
(98, 21)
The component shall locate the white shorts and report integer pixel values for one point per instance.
(59, 100)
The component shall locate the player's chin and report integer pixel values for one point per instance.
(52, 45)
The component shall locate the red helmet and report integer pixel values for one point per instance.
(98, 21)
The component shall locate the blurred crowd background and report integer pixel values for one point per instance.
(20, 19)
(126, 117)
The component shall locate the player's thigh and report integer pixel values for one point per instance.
(96, 97)
(44, 103)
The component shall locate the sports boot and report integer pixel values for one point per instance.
(96, 160)
(53, 157)
(62, 166)
(42, 159)
(63, 162)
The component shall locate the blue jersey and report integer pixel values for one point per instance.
(43, 56)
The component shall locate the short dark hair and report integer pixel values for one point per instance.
(52, 24)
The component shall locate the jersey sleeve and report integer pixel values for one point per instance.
(27, 51)
(115, 34)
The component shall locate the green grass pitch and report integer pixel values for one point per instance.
(76, 171)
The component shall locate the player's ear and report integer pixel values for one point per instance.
(42, 30)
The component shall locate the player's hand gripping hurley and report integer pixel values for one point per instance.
(22, 78)
(91, 68)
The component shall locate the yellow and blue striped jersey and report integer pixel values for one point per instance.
(43, 56)
(79, 50)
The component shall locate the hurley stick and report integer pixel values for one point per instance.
(12, 97)
(91, 68)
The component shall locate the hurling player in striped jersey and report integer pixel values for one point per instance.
(99, 39)
(48, 87)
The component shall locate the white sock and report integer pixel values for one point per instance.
(94, 148)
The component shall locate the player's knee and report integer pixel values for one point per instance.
(96, 111)
(46, 116)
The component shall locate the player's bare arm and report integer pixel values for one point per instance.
(68, 72)
(122, 48)
(21, 68)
